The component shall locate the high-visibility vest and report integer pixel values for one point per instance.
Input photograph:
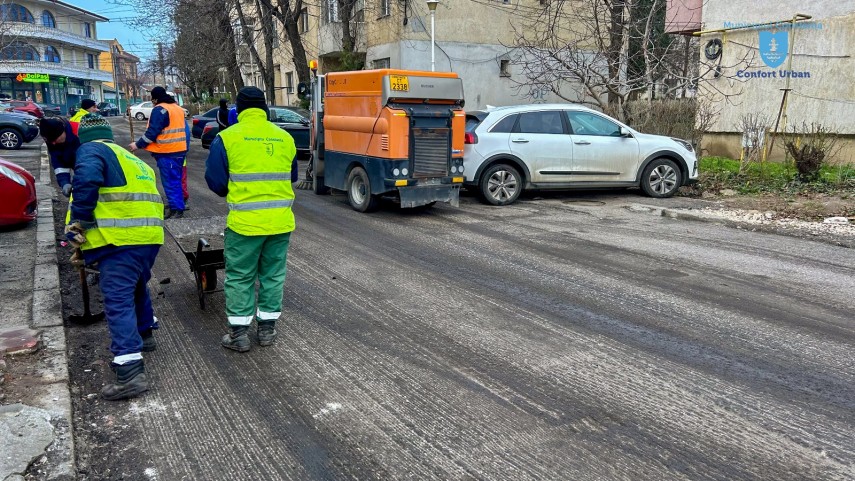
(173, 138)
(75, 119)
(128, 215)
(260, 192)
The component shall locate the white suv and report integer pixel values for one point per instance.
(565, 146)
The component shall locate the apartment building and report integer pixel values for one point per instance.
(472, 39)
(49, 53)
(126, 66)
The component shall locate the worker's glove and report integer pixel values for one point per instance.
(66, 190)
(74, 234)
(77, 259)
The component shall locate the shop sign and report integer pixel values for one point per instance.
(33, 77)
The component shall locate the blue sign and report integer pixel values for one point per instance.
(773, 47)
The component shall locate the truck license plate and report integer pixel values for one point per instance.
(400, 83)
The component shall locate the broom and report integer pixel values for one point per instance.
(308, 179)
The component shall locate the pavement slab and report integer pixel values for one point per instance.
(25, 433)
(19, 340)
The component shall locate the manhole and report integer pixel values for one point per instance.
(584, 202)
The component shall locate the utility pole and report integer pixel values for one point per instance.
(113, 51)
(162, 66)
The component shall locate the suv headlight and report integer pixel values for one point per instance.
(32, 122)
(686, 145)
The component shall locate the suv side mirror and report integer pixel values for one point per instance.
(624, 132)
(302, 90)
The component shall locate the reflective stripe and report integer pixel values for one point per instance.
(171, 141)
(127, 358)
(269, 204)
(61, 170)
(240, 320)
(127, 196)
(268, 316)
(138, 222)
(171, 131)
(260, 177)
(146, 139)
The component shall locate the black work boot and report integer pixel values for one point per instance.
(130, 381)
(236, 339)
(178, 214)
(168, 213)
(148, 342)
(266, 332)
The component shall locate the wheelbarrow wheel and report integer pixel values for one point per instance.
(200, 287)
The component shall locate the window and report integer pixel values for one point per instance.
(48, 20)
(545, 122)
(285, 115)
(51, 55)
(385, 8)
(289, 82)
(584, 123)
(19, 51)
(275, 43)
(90, 59)
(87, 30)
(506, 125)
(304, 20)
(330, 11)
(381, 63)
(504, 68)
(12, 12)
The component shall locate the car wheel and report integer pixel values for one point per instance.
(10, 139)
(359, 191)
(500, 184)
(661, 178)
(140, 116)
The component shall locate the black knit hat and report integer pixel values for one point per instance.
(251, 98)
(159, 94)
(94, 127)
(51, 128)
(87, 104)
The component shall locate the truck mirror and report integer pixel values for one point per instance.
(302, 90)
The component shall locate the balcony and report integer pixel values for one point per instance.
(52, 68)
(683, 16)
(30, 30)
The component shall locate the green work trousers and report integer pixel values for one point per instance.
(250, 258)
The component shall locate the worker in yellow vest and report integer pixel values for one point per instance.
(87, 106)
(167, 137)
(253, 165)
(116, 219)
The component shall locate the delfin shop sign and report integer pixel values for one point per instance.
(33, 77)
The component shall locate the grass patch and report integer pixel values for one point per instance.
(720, 173)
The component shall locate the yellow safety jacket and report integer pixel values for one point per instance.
(128, 215)
(260, 192)
(173, 138)
(78, 115)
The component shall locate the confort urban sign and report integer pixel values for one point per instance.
(773, 46)
(33, 77)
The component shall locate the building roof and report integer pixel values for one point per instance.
(76, 8)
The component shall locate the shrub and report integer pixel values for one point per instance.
(810, 146)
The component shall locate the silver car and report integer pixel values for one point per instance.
(565, 146)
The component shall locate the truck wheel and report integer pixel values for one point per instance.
(359, 191)
(318, 186)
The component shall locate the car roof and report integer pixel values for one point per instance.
(530, 107)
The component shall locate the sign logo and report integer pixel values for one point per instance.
(268, 148)
(773, 47)
(33, 77)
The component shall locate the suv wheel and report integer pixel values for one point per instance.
(10, 139)
(140, 116)
(661, 178)
(500, 184)
(359, 191)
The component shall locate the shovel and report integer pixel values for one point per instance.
(87, 317)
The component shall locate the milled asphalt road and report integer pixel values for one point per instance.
(559, 338)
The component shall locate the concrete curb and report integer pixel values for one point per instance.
(47, 317)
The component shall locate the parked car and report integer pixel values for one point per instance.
(107, 109)
(198, 121)
(18, 201)
(142, 111)
(564, 146)
(16, 129)
(293, 120)
(27, 106)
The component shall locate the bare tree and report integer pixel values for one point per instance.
(288, 12)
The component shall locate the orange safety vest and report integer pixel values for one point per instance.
(173, 138)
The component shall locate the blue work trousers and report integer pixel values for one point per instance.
(127, 304)
(171, 168)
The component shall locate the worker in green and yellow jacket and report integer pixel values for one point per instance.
(253, 165)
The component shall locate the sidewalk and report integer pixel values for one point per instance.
(35, 416)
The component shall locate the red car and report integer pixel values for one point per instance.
(18, 202)
(27, 107)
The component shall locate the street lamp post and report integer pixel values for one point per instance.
(432, 6)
